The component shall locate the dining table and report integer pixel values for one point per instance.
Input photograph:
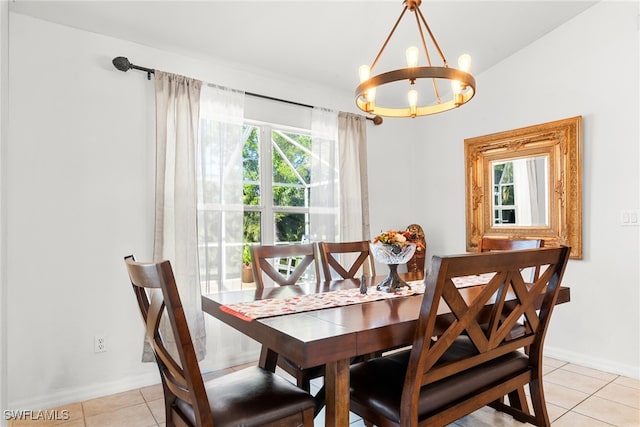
(333, 335)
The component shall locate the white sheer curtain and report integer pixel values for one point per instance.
(324, 200)
(339, 201)
(220, 189)
(529, 196)
(219, 173)
(175, 237)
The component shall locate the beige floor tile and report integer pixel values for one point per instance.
(112, 402)
(131, 416)
(589, 372)
(157, 410)
(575, 381)
(572, 419)
(628, 382)
(35, 421)
(63, 416)
(487, 417)
(621, 394)
(562, 396)
(610, 412)
(546, 369)
(554, 411)
(555, 363)
(153, 392)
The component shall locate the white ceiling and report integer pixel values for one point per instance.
(322, 41)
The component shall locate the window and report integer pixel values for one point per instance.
(504, 211)
(276, 185)
(276, 171)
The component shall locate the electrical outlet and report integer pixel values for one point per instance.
(99, 343)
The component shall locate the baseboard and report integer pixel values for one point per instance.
(79, 394)
(592, 362)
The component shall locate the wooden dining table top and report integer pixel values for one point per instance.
(332, 336)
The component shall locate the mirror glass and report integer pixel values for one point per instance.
(521, 191)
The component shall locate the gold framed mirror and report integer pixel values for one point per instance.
(526, 183)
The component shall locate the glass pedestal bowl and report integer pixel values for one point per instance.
(392, 255)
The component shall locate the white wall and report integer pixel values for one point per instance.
(80, 179)
(587, 67)
(4, 111)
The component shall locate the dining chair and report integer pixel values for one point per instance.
(454, 369)
(339, 258)
(488, 244)
(300, 257)
(264, 259)
(249, 397)
(335, 255)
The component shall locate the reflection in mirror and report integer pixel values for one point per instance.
(521, 191)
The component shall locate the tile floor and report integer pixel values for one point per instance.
(576, 397)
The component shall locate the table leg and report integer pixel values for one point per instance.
(336, 379)
(268, 359)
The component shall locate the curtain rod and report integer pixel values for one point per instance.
(123, 64)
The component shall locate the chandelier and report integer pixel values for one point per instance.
(462, 84)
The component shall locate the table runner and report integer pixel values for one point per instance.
(299, 303)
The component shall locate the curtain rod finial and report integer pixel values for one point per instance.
(121, 63)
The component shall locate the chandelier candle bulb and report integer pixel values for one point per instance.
(464, 62)
(412, 56)
(412, 96)
(456, 87)
(364, 72)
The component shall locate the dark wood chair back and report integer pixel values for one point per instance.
(332, 259)
(186, 393)
(456, 368)
(264, 259)
(181, 378)
(488, 244)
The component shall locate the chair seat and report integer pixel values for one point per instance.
(250, 397)
(378, 383)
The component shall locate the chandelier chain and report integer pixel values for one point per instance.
(375, 61)
(433, 38)
(426, 52)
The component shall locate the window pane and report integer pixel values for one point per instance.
(290, 227)
(508, 197)
(208, 251)
(252, 227)
(507, 174)
(251, 165)
(291, 168)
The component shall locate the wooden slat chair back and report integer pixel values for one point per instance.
(455, 369)
(191, 401)
(264, 257)
(333, 257)
(488, 244)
